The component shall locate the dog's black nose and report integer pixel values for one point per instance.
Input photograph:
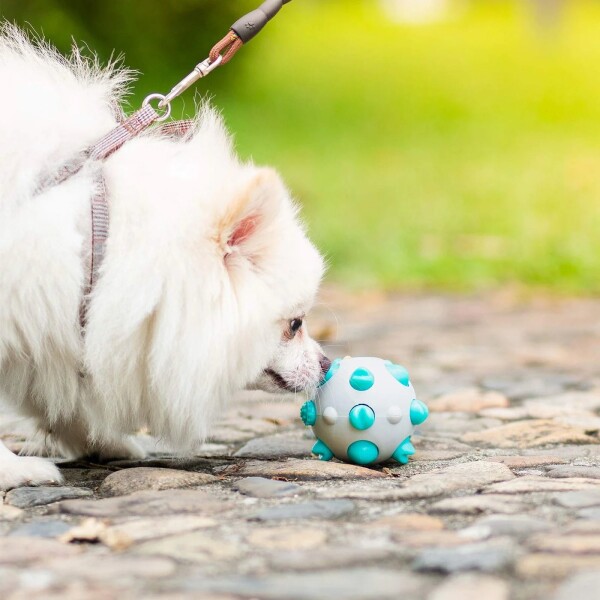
(325, 364)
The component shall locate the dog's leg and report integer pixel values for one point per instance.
(73, 438)
(16, 471)
(127, 448)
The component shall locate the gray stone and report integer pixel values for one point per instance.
(25, 497)
(583, 586)
(43, 529)
(137, 479)
(490, 556)
(574, 471)
(583, 499)
(511, 525)
(260, 487)
(318, 509)
(589, 513)
(146, 504)
(356, 584)
(276, 446)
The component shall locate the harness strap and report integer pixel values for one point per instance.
(99, 202)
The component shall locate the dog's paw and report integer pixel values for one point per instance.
(17, 471)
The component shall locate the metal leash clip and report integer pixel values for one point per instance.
(242, 31)
(200, 70)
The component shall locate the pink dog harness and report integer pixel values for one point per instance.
(99, 210)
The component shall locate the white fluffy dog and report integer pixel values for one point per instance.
(206, 280)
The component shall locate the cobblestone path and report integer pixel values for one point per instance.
(501, 500)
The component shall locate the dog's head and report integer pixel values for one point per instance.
(274, 272)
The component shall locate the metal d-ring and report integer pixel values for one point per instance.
(162, 104)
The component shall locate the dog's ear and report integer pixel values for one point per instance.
(246, 227)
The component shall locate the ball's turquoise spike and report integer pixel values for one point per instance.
(308, 413)
(399, 373)
(363, 452)
(361, 417)
(362, 379)
(406, 447)
(321, 450)
(418, 412)
(399, 455)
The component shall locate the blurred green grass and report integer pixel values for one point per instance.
(460, 155)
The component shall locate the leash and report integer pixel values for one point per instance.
(240, 33)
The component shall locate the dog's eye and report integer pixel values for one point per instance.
(295, 324)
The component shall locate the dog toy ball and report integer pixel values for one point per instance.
(365, 412)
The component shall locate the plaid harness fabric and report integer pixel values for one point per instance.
(99, 208)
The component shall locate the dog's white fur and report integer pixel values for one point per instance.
(206, 265)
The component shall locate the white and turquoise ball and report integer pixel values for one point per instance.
(365, 412)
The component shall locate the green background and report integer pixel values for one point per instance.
(459, 153)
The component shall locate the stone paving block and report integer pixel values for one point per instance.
(470, 400)
(489, 556)
(575, 471)
(127, 481)
(293, 469)
(261, 487)
(195, 547)
(318, 509)
(121, 536)
(28, 550)
(111, 568)
(516, 526)
(582, 499)
(478, 504)
(329, 557)
(471, 586)
(584, 586)
(146, 504)
(44, 529)
(26, 497)
(533, 483)
(10, 513)
(529, 434)
(463, 476)
(409, 522)
(554, 566)
(525, 462)
(286, 538)
(356, 584)
(565, 544)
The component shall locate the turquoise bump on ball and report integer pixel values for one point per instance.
(365, 412)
